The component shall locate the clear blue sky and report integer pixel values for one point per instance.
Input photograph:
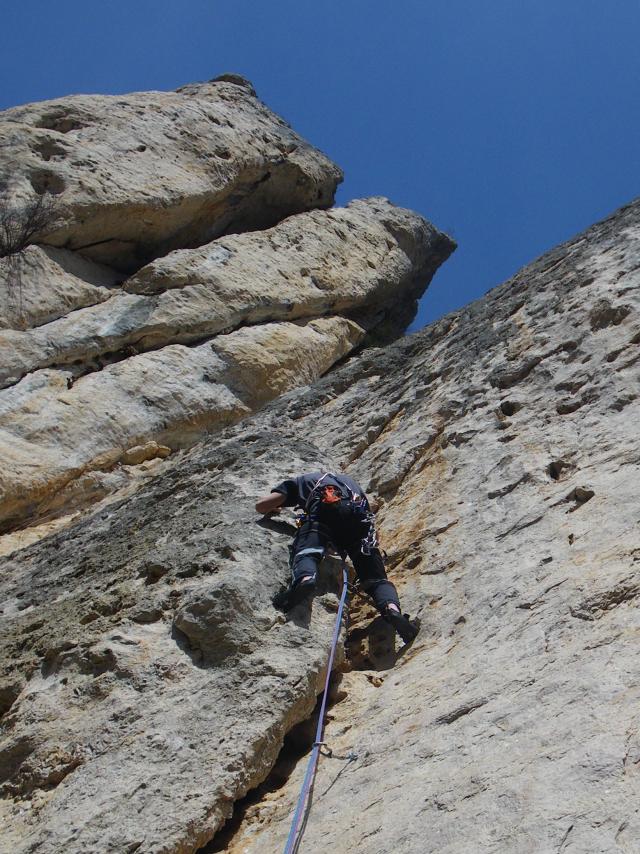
(512, 124)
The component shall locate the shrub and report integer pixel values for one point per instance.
(19, 225)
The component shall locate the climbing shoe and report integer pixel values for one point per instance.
(301, 592)
(404, 626)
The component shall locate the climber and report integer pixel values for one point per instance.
(335, 511)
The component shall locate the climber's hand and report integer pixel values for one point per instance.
(269, 504)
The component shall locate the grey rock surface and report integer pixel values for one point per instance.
(503, 442)
(138, 175)
(132, 642)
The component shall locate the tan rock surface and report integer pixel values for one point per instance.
(361, 257)
(142, 453)
(138, 175)
(41, 284)
(503, 441)
(146, 680)
(128, 652)
(81, 389)
(53, 437)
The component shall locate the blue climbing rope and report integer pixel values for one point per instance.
(304, 801)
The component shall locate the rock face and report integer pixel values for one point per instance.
(93, 364)
(150, 663)
(42, 284)
(364, 259)
(138, 175)
(146, 680)
(503, 443)
(195, 342)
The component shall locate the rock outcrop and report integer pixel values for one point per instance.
(169, 662)
(363, 260)
(147, 683)
(196, 341)
(41, 284)
(502, 445)
(138, 175)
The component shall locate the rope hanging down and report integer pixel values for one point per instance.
(300, 815)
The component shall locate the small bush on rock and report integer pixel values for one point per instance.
(19, 225)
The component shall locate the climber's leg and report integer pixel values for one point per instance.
(373, 578)
(306, 552)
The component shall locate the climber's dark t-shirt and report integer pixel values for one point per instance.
(298, 489)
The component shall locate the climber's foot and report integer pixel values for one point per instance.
(404, 626)
(299, 592)
(302, 591)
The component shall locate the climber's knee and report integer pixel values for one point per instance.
(305, 563)
(383, 593)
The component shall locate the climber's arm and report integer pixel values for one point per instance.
(270, 503)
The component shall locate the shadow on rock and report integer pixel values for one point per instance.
(279, 525)
(301, 614)
(373, 647)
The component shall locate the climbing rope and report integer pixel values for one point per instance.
(304, 801)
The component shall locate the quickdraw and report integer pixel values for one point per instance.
(370, 540)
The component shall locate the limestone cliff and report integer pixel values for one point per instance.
(95, 365)
(138, 175)
(148, 683)
(503, 441)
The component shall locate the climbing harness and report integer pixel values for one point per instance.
(306, 793)
(336, 497)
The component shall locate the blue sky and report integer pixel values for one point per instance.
(511, 124)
